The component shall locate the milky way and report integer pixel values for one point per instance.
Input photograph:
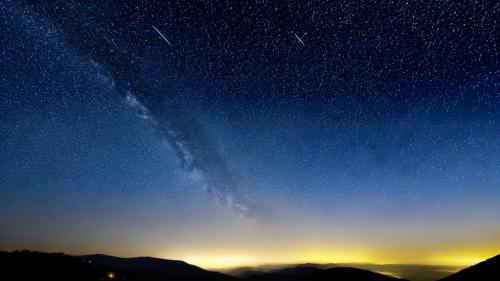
(195, 151)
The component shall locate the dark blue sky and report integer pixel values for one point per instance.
(328, 124)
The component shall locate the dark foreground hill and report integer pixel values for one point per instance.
(488, 270)
(28, 265)
(158, 269)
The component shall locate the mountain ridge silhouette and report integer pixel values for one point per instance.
(32, 265)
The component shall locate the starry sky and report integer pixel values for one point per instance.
(228, 133)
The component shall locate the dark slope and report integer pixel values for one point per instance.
(158, 269)
(315, 274)
(488, 270)
(27, 265)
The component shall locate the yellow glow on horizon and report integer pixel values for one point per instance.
(324, 256)
(308, 255)
(459, 260)
(466, 256)
(220, 261)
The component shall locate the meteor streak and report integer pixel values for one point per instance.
(163, 36)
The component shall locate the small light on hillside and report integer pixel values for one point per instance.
(111, 275)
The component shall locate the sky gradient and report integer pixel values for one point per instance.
(252, 132)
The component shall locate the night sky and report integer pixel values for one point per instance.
(231, 133)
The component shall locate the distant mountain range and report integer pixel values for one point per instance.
(412, 272)
(29, 265)
(312, 273)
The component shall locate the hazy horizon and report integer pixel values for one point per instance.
(264, 266)
(415, 272)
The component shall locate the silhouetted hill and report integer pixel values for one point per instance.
(158, 269)
(488, 270)
(28, 265)
(305, 273)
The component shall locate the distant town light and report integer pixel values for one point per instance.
(111, 275)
